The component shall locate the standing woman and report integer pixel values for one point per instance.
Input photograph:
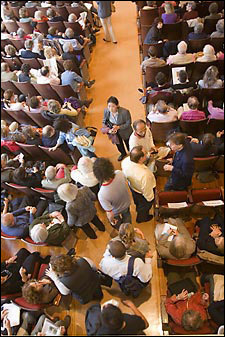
(117, 123)
(104, 13)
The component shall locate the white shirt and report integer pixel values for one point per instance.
(170, 116)
(140, 178)
(146, 141)
(117, 268)
(48, 80)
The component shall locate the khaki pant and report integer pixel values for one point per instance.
(108, 29)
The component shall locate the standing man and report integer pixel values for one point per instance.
(142, 136)
(104, 13)
(142, 182)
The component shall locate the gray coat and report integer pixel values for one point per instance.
(124, 121)
(104, 9)
(81, 210)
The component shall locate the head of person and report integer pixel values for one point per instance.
(69, 33)
(193, 103)
(20, 33)
(67, 192)
(63, 264)
(39, 233)
(51, 13)
(28, 44)
(191, 6)
(45, 71)
(32, 291)
(48, 131)
(177, 141)
(169, 9)
(140, 127)
(72, 18)
(208, 139)
(48, 52)
(10, 50)
(52, 31)
(126, 234)
(182, 47)
(160, 79)
(13, 126)
(209, 50)
(23, 12)
(50, 172)
(112, 104)
(9, 96)
(62, 124)
(4, 131)
(161, 107)
(18, 137)
(220, 26)
(28, 131)
(213, 8)
(103, 170)
(191, 320)
(4, 160)
(67, 47)
(68, 65)
(138, 155)
(54, 106)
(158, 23)
(182, 76)
(8, 220)
(178, 247)
(219, 242)
(35, 102)
(210, 76)
(152, 52)
(112, 317)
(38, 15)
(25, 69)
(117, 249)
(5, 67)
(85, 165)
(198, 28)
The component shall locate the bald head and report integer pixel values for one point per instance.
(7, 220)
(50, 172)
(138, 154)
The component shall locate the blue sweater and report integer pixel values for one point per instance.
(22, 221)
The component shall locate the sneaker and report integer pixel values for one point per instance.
(90, 83)
(141, 90)
(121, 157)
(115, 42)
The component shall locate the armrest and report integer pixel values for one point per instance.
(156, 199)
(190, 198)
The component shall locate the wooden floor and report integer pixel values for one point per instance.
(116, 69)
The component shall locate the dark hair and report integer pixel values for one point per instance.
(213, 8)
(45, 71)
(31, 294)
(160, 78)
(34, 102)
(136, 153)
(103, 169)
(156, 21)
(152, 51)
(183, 76)
(112, 317)
(68, 65)
(25, 68)
(19, 174)
(138, 121)
(113, 99)
(208, 139)
(63, 264)
(177, 138)
(117, 249)
(62, 124)
(22, 98)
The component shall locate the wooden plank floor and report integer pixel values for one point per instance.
(116, 69)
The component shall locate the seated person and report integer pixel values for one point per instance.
(45, 78)
(215, 112)
(154, 34)
(198, 33)
(25, 75)
(213, 12)
(152, 60)
(182, 57)
(51, 181)
(162, 113)
(50, 228)
(55, 110)
(83, 174)
(185, 86)
(49, 136)
(169, 16)
(31, 134)
(182, 165)
(209, 54)
(68, 54)
(115, 264)
(193, 114)
(19, 269)
(112, 321)
(24, 15)
(219, 29)
(207, 146)
(8, 166)
(36, 104)
(17, 222)
(7, 74)
(53, 33)
(69, 36)
(28, 53)
(39, 17)
(53, 16)
(11, 103)
(211, 235)
(9, 140)
(191, 12)
(182, 245)
(210, 79)
(161, 85)
(21, 177)
(77, 276)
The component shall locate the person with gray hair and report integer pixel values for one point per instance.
(20, 33)
(219, 29)
(68, 54)
(209, 54)
(28, 53)
(198, 33)
(191, 12)
(162, 113)
(182, 246)
(51, 181)
(182, 57)
(69, 36)
(7, 74)
(213, 12)
(80, 208)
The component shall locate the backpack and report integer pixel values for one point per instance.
(131, 285)
(93, 320)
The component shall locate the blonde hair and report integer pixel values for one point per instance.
(48, 52)
(13, 126)
(169, 9)
(54, 106)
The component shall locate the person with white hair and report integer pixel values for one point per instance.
(39, 17)
(182, 57)
(83, 174)
(198, 33)
(209, 54)
(219, 29)
(51, 181)
(191, 12)
(80, 208)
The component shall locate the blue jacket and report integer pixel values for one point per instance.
(22, 221)
(183, 168)
(104, 9)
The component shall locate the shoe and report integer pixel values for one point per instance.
(115, 42)
(71, 252)
(121, 157)
(106, 40)
(90, 83)
(67, 321)
(141, 90)
(46, 260)
(96, 30)
(101, 228)
(149, 218)
(88, 102)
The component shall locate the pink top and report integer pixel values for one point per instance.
(215, 113)
(192, 115)
(60, 174)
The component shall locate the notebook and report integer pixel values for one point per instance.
(50, 329)
(13, 314)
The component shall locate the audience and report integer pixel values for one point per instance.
(193, 114)
(154, 34)
(162, 113)
(208, 54)
(51, 181)
(45, 77)
(7, 74)
(28, 53)
(182, 57)
(213, 12)
(169, 16)
(210, 79)
(219, 29)
(152, 60)
(198, 33)
(191, 12)
(215, 112)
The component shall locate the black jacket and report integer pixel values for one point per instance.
(153, 36)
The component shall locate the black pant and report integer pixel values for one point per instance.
(121, 147)
(171, 187)
(143, 206)
(34, 201)
(89, 231)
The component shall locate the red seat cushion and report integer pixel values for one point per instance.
(186, 262)
(205, 195)
(44, 190)
(165, 197)
(9, 296)
(7, 236)
(29, 240)
(24, 304)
